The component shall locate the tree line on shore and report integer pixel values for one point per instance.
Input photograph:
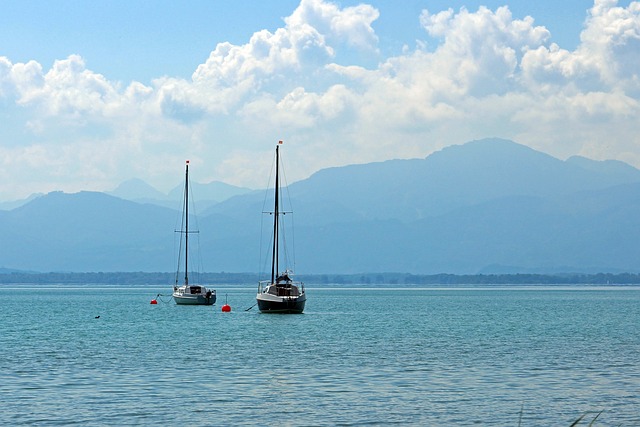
(370, 279)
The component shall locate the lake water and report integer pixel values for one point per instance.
(428, 357)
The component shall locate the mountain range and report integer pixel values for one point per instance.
(208, 194)
(487, 206)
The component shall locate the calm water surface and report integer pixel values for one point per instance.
(503, 356)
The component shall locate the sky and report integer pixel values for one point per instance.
(95, 93)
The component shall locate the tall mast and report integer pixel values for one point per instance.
(274, 259)
(186, 224)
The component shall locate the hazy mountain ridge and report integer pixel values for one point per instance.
(483, 206)
(64, 232)
(137, 190)
(207, 194)
(454, 177)
(12, 204)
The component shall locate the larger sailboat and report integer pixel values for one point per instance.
(187, 293)
(281, 294)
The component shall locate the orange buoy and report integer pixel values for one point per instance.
(226, 308)
(154, 301)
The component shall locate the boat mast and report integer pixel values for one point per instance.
(186, 224)
(274, 259)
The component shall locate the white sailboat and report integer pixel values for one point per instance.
(280, 294)
(186, 293)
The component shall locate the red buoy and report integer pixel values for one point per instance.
(226, 308)
(154, 301)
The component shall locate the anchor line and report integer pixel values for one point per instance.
(162, 295)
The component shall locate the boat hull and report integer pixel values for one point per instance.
(194, 300)
(194, 295)
(286, 304)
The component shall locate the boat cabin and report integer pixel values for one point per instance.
(284, 289)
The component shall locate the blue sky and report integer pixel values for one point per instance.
(94, 93)
(142, 40)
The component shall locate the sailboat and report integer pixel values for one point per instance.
(188, 294)
(281, 294)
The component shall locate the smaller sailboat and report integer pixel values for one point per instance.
(281, 294)
(188, 294)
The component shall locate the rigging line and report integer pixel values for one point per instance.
(179, 259)
(285, 245)
(264, 256)
(289, 255)
(275, 254)
(261, 244)
(197, 272)
(198, 264)
(293, 242)
(264, 259)
(175, 228)
(174, 253)
(262, 267)
(267, 257)
(266, 193)
(183, 226)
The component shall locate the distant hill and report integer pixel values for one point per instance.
(206, 194)
(456, 177)
(488, 206)
(7, 206)
(137, 190)
(86, 231)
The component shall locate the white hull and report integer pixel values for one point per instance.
(194, 295)
(189, 294)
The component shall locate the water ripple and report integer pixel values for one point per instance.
(355, 358)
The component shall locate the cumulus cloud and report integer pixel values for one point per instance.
(351, 25)
(67, 89)
(482, 50)
(490, 74)
(612, 39)
(278, 62)
(608, 56)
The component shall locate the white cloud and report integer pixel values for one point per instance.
(607, 57)
(481, 50)
(351, 25)
(68, 89)
(491, 74)
(612, 40)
